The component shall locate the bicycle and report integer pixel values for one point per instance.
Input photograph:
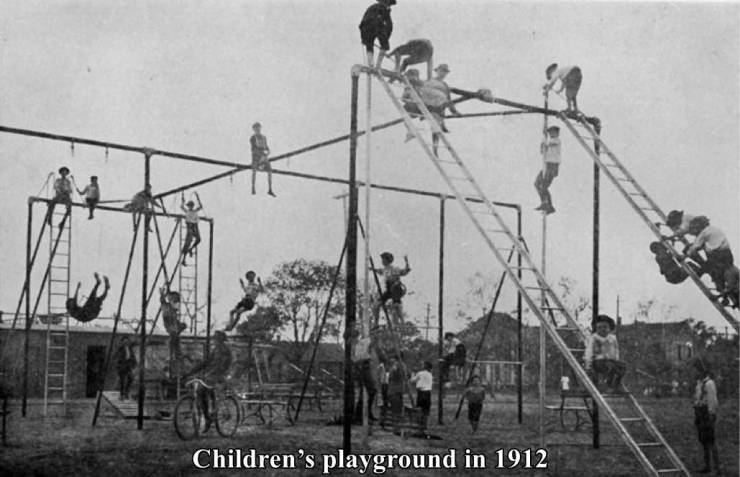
(189, 418)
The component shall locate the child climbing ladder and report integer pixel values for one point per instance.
(192, 236)
(394, 289)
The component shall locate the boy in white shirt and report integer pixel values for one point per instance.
(191, 222)
(251, 291)
(602, 355)
(570, 79)
(719, 263)
(705, 415)
(62, 194)
(422, 380)
(92, 195)
(394, 289)
(550, 149)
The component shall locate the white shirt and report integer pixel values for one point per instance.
(564, 383)
(551, 150)
(600, 347)
(422, 380)
(706, 394)
(711, 238)
(251, 290)
(683, 228)
(559, 74)
(191, 216)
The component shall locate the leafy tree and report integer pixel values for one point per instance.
(263, 324)
(298, 291)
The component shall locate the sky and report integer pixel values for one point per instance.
(192, 77)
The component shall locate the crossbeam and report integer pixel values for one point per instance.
(117, 209)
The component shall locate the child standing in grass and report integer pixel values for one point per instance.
(423, 382)
(475, 394)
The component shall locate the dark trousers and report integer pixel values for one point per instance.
(543, 181)
(384, 394)
(192, 235)
(125, 377)
(424, 402)
(91, 204)
(704, 422)
(364, 379)
(717, 264)
(611, 370)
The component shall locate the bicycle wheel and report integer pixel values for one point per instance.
(187, 418)
(227, 416)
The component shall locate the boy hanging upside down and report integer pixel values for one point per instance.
(91, 309)
(251, 291)
(394, 289)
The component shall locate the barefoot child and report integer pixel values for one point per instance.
(475, 394)
(91, 309)
(191, 222)
(251, 291)
(260, 161)
(91, 192)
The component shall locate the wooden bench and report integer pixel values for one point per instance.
(564, 409)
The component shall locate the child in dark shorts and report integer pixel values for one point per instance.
(251, 291)
(377, 24)
(91, 309)
(475, 394)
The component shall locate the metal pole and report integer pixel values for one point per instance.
(440, 310)
(543, 342)
(351, 288)
(144, 286)
(210, 288)
(27, 292)
(366, 285)
(519, 380)
(595, 266)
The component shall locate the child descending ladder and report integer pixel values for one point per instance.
(57, 334)
(531, 283)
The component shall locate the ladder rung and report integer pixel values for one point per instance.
(650, 444)
(636, 194)
(648, 208)
(455, 178)
(577, 350)
(668, 471)
(612, 165)
(535, 288)
(623, 179)
(567, 328)
(57, 347)
(498, 231)
(551, 308)
(446, 162)
(631, 419)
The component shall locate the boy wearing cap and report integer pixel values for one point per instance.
(714, 243)
(550, 148)
(416, 51)
(191, 222)
(438, 85)
(570, 79)
(602, 355)
(260, 161)
(394, 289)
(377, 23)
(91, 192)
(62, 194)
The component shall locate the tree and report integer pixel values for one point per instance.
(298, 291)
(262, 325)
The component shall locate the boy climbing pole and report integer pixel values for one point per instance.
(415, 52)
(62, 194)
(191, 222)
(260, 160)
(377, 23)
(91, 192)
(550, 148)
(91, 309)
(394, 289)
(251, 291)
(570, 78)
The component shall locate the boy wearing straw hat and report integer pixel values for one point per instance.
(62, 194)
(602, 355)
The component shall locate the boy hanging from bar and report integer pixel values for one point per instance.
(377, 24)
(251, 290)
(550, 148)
(192, 235)
(91, 309)
(260, 159)
(62, 195)
(394, 289)
(170, 306)
(415, 52)
(570, 78)
(142, 203)
(91, 193)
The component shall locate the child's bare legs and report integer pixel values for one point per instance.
(254, 177)
(234, 316)
(381, 55)
(105, 290)
(268, 168)
(369, 56)
(435, 143)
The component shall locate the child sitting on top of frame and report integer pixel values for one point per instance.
(602, 355)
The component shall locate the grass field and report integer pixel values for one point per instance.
(70, 446)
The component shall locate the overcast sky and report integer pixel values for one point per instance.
(192, 77)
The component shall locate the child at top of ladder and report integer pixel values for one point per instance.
(719, 264)
(602, 355)
(415, 52)
(91, 192)
(191, 222)
(434, 99)
(570, 78)
(251, 290)
(260, 160)
(377, 24)
(550, 148)
(91, 309)
(394, 288)
(62, 194)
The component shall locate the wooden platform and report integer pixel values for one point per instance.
(128, 409)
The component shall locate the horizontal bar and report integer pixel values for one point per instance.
(116, 209)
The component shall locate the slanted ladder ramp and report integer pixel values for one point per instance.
(638, 199)
(58, 290)
(500, 239)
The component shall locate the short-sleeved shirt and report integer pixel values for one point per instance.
(361, 350)
(451, 346)
(259, 145)
(423, 380)
(62, 187)
(551, 150)
(251, 290)
(711, 238)
(91, 191)
(191, 216)
(683, 227)
(393, 274)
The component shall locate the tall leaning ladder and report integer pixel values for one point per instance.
(57, 340)
(552, 315)
(639, 200)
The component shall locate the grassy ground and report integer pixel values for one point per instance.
(70, 446)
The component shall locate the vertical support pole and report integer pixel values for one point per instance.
(366, 314)
(27, 293)
(351, 285)
(144, 287)
(210, 287)
(543, 342)
(595, 265)
(440, 308)
(519, 357)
